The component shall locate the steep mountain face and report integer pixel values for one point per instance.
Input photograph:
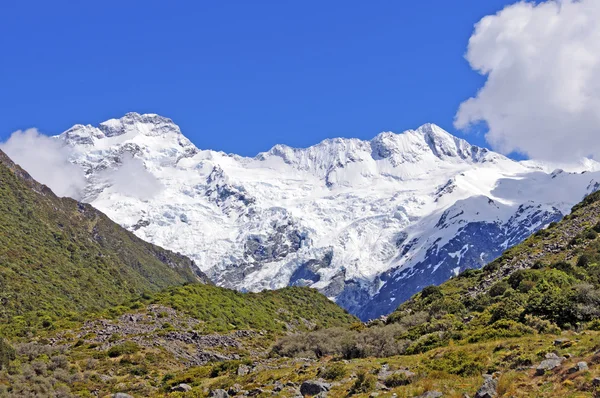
(368, 223)
(59, 256)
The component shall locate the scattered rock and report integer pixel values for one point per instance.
(551, 362)
(182, 387)
(219, 394)
(234, 389)
(580, 367)
(243, 370)
(278, 386)
(489, 387)
(314, 387)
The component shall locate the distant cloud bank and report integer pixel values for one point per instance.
(542, 93)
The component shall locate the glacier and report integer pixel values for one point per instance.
(367, 223)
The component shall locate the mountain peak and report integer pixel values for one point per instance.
(148, 124)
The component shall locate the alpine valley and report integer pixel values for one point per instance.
(367, 223)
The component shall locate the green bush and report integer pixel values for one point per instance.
(128, 347)
(397, 380)
(7, 353)
(431, 292)
(498, 289)
(365, 382)
(333, 371)
(462, 363)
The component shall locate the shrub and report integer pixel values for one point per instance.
(128, 347)
(541, 325)
(460, 362)
(593, 325)
(364, 383)
(397, 380)
(507, 309)
(431, 292)
(498, 289)
(334, 371)
(7, 353)
(470, 273)
(591, 234)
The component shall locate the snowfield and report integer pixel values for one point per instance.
(368, 223)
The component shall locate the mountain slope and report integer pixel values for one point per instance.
(59, 257)
(551, 279)
(368, 223)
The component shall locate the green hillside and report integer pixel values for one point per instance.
(222, 310)
(59, 257)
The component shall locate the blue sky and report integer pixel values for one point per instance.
(239, 76)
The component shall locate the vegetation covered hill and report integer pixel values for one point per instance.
(59, 257)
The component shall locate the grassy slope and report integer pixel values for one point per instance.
(274, 310)
(59, 257)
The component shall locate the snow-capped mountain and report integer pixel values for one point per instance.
(368, 223)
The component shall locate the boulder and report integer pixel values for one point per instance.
(234, 389)
(122, 395)
(489, 387)
(219, 394)
(255, 391)
(243, 370)
(278, 386)
(580, 367)
(551, 362)
(182, 388)
(314, 387)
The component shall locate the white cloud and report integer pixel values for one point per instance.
(542, 93)
(46, 160)
(132, 179)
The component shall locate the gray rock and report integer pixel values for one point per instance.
(489, 388)
(219, 394)
(278, 386)
(243, 370)
(314, 387)
(234, 389)
(254, 392)
(430, 394)
(562, 342)
(182, 387)
(551, 362)
(122, 395)
(580, 367)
